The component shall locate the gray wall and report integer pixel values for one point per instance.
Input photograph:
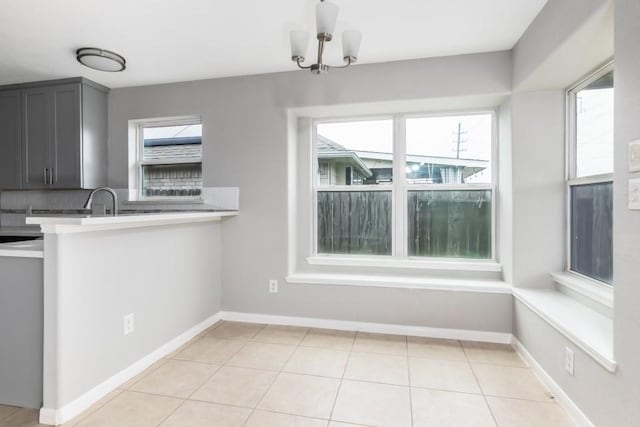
(538, 165)
(565, 39)
(167, 276)
(245, 134)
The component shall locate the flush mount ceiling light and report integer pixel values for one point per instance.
(100, 59)
(326, 16)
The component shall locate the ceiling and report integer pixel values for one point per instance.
(181, 40)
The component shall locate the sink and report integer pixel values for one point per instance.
(9, 239)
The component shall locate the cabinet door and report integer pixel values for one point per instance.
(36, 137)
(10, 156)
(66, 148)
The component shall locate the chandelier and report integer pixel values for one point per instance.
(326, 16)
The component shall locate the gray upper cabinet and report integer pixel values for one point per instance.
(36, 137)
(66, 145)
(62, 129)
(10, 143)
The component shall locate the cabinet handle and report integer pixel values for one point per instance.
(44, 173)
(51, 176)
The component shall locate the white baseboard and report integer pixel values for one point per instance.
(562, 398)
(51, 416)
(382, 328)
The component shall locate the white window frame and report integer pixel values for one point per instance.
(136, 150)
(584, 284)
(399, 189)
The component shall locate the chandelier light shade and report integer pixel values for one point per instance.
(299, 44)
(101, 59)
(351, 40)
(326, 18)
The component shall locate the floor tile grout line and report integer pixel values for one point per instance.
(344, 371)
(272, 411)
(144, 374)
(93, 408)
(484, 397)
(409, 382)
(443, 390)
(246, 342)
(204, 382)
(171, 413)
(6, 417)
(270, 385)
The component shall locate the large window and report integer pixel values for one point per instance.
(405, 186)
(590, 184)
(169, 158)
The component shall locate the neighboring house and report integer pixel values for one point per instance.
(340, 166)
(176, 168)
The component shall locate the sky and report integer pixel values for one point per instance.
(172, 131)
(430, 136)
(594, 131)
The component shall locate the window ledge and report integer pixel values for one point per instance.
(586, 328)
(411, 263)
(439, 284)
(588, 288)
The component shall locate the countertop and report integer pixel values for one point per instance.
(27, 249)
(82, 223)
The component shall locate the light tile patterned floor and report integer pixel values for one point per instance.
(237, 374)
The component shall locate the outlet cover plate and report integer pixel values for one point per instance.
(273, 286)
(634, 156)
(129, 325)
(634, 194)
(568, 360)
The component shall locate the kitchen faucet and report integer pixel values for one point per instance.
(114, 198)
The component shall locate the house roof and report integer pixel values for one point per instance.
(328, 149)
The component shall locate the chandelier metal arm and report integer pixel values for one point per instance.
(349, 60)
(299, 62)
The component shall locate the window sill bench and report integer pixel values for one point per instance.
(586, 328)
(437, 284)
(410, 263)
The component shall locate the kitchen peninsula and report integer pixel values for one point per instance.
(119, 293)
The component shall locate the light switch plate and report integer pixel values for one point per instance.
(634, 156)
(634, 194)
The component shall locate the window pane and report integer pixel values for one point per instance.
(451, 224)
(355, 153)
(354, 222)
(182, 179)
(592, 230)
(449, 150)
(594, 127)
(172, 143)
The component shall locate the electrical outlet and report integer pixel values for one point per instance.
(273, 286)
(568, 360)
(129, 325)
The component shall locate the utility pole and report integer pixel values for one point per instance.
(459, 140)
